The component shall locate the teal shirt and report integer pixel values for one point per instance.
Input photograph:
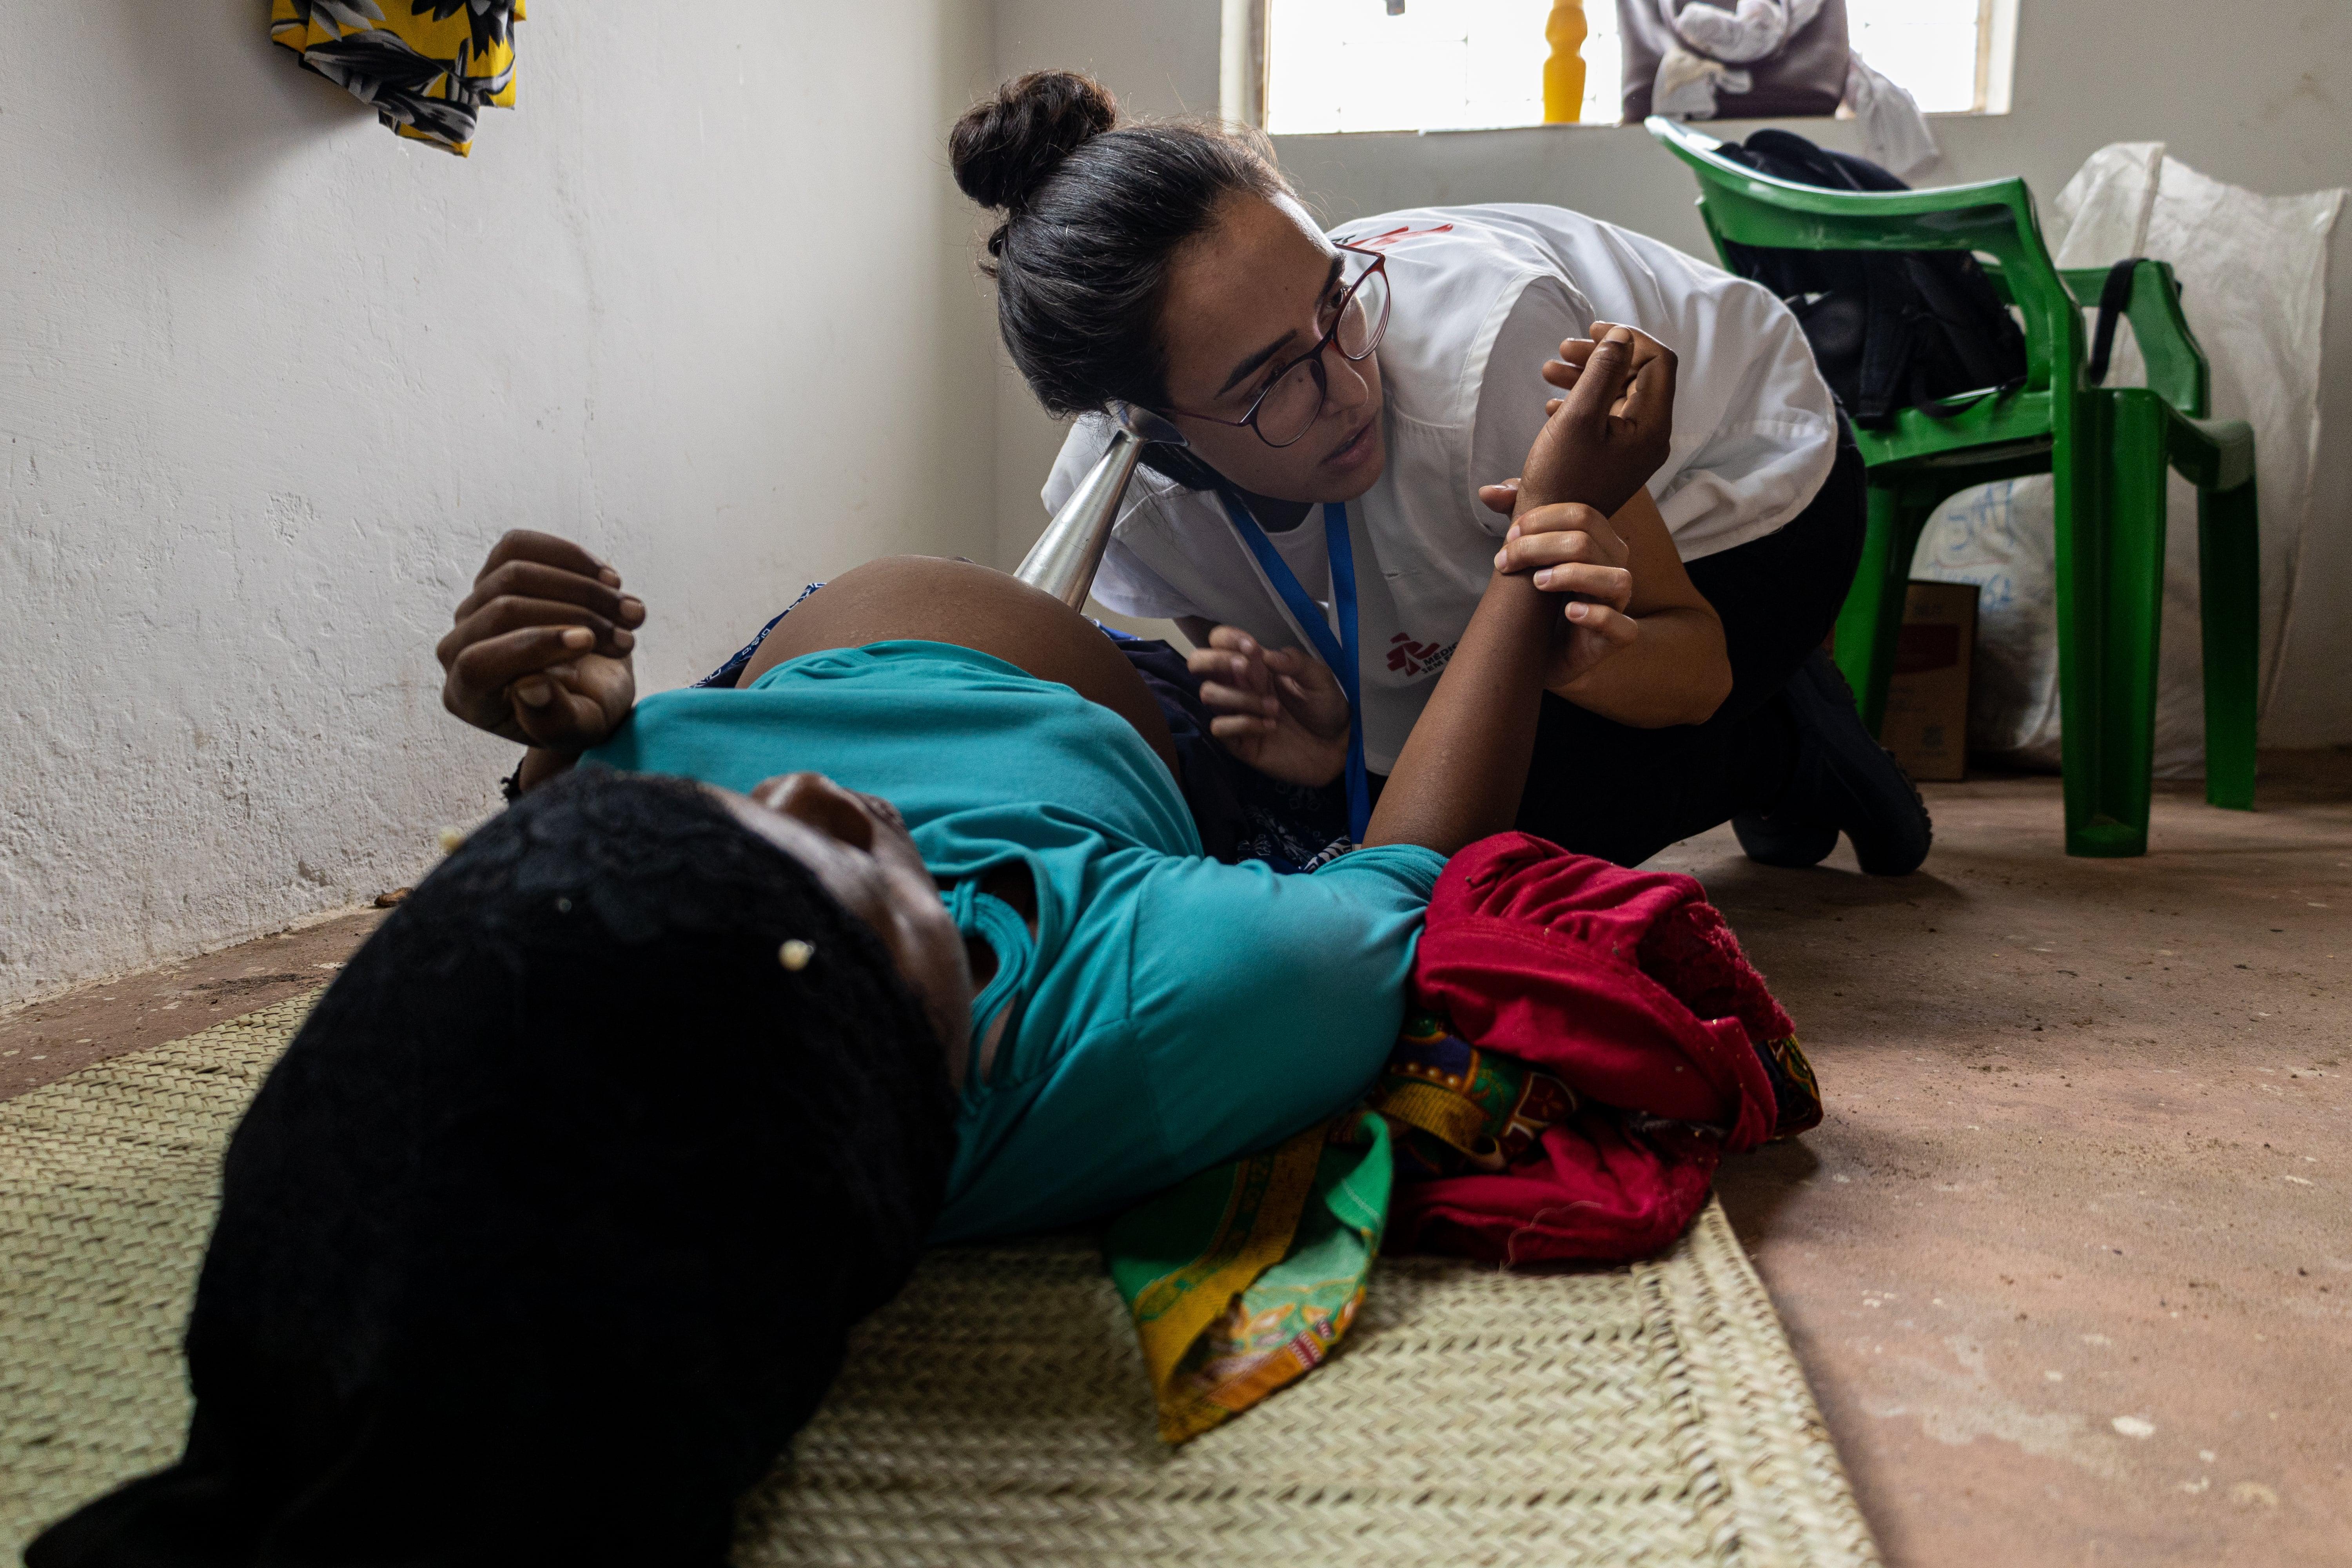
(1171, 1012)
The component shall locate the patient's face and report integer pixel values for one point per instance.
(1244, 301)
(861, 853)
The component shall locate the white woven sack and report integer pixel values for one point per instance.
(2254, 272)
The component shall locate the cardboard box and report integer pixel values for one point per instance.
(1926, 723)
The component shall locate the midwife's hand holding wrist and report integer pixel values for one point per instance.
(1571, 549)
(1277, 710)
(540, 650)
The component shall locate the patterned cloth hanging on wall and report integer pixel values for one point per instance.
(427, 66)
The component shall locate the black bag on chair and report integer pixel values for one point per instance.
(1890, 328)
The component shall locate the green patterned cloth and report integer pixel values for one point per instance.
(1243, 1279)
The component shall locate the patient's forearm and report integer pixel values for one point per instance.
(1465, 764)
(1462, 768)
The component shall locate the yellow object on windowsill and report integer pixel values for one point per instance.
(1563, 73)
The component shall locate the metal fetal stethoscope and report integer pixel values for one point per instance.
(1069, 553)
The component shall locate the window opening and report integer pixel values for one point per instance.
(1460, 65)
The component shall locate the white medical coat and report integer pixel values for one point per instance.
(1482, 296)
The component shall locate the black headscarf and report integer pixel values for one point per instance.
(545, 1235)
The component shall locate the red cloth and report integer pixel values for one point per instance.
(1628, 987)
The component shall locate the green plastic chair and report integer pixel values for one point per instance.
(2106, 450)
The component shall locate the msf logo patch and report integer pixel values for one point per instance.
(1414, 659)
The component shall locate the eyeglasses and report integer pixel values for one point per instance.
(1294, 399)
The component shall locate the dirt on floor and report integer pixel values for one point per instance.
(2069, 1263)
(46, 1040)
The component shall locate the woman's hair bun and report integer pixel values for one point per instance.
(1005, 148)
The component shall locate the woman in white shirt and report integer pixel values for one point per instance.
(1355, 405)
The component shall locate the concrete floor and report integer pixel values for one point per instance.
(2069, 1263)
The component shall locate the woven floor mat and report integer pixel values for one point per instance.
(997, 1412)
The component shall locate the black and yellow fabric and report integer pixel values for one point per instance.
(427, 66)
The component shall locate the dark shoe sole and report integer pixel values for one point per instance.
(1780, 839)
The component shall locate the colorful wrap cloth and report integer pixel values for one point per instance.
(1244, 1278)
(1585, 1044)
(427, 66)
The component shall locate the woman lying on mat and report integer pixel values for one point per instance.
(547, 1232)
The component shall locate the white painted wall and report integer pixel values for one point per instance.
(1160, 58)
(271, 381)
(2259, 95)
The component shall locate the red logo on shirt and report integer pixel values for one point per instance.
(1382, 241)
(1414, 659)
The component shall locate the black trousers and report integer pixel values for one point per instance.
(1603, 788)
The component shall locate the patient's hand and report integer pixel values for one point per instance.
(1601, 456)
(1277, 710)
(540, 653)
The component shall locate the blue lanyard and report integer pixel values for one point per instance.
(1339, 656)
